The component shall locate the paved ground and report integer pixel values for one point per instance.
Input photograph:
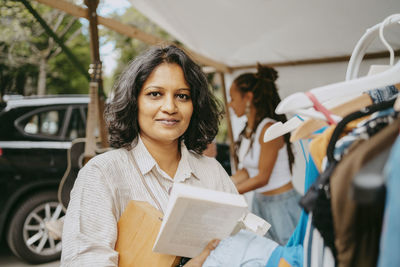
(7, 259)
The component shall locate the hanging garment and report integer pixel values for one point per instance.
(319, 144)
(364, 130)
(317, 202)
(366, 127)
(297, 237)
(383, 94)
(291, 255)
(316, 252)
(357, 227)
(317, 199)
(390, 238)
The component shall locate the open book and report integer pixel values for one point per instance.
(195, 216)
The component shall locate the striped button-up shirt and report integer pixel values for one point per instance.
(108, 182)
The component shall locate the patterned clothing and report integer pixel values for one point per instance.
(383, 94)
(364, 131)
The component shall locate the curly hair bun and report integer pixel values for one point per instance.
(267, 73)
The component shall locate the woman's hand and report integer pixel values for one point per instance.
(240, 176)
(201, 258)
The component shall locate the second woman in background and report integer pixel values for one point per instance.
(264, 167)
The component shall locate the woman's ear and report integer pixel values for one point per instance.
(248, 96)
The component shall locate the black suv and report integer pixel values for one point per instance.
(35, 134)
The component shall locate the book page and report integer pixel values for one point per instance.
(192, 223)
(256, 224)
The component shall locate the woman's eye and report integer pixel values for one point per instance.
(183, 96)
(154, 94)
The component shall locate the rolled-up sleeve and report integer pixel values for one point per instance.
(90, 226)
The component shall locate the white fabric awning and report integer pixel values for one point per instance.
(239, 32)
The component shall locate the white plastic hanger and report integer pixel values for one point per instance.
(365, 41)
(317, 115)
(391, 76)
(278, 128)
(380, 68)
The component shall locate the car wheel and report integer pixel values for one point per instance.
(28, 237)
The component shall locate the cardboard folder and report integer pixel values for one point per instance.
(137, 231)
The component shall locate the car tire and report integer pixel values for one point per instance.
(28, 237)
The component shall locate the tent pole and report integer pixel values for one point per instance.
(94, 34)
(312, 61)
(95, 54)
(228, 120)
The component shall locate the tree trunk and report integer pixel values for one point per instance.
(29, 88)
(42, 77)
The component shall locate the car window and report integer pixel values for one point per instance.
(47, 123)
(76, 127)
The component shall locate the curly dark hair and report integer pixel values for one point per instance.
(121, 114)
(265, 99)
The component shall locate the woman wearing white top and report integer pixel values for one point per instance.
(264, 167)
(160, 120)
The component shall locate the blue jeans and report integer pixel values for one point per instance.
(282, 211)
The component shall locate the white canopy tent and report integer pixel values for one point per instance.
(240, 33)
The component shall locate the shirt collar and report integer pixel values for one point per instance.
(186, 165)
(146, 162)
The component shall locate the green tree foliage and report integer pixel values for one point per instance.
(64, 77)
(27, 54)
(128, 48)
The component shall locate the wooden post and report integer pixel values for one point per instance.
(95, 53)
(94, 34)
(228, 120)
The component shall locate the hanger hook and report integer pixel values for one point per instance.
(382, 37)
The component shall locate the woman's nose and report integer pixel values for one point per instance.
(169, 105)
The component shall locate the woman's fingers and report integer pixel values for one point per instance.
(201, 258)
(211, 246)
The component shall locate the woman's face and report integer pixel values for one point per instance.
(238, 101)
(164, 104)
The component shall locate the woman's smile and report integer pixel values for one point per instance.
(168, 122)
